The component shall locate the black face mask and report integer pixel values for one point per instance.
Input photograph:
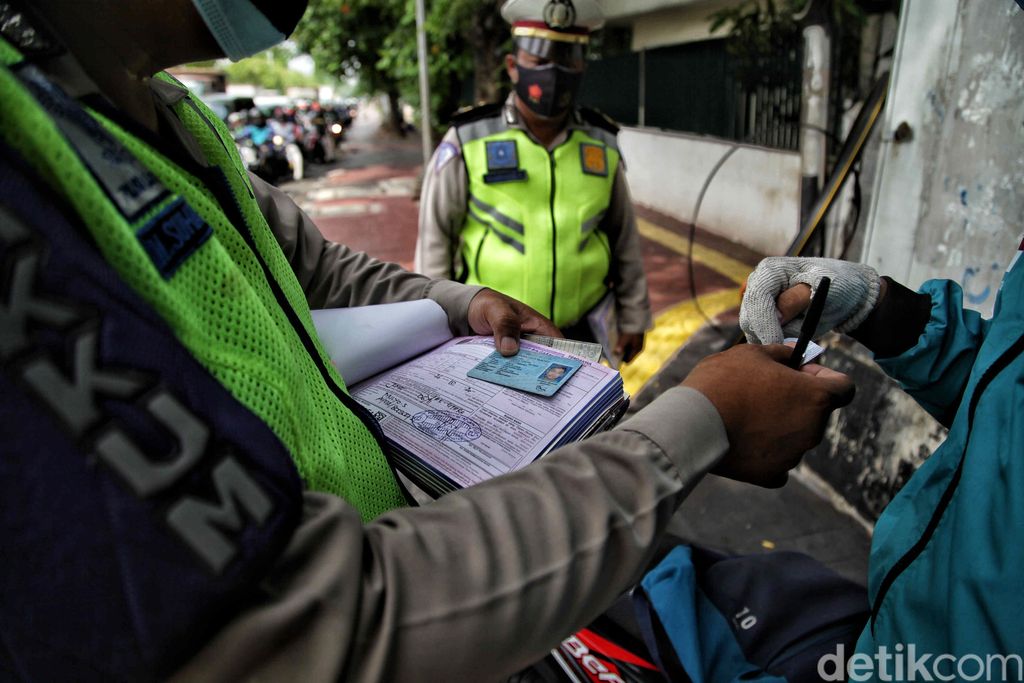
(283, 15)
(550, 90)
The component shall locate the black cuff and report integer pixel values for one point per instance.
(896, 322)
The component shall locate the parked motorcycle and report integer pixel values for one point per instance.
(268, 152)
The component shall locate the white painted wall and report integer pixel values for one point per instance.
(754, 199)
(676, 26)
(618, 9)
(657, 23)
(950, 202)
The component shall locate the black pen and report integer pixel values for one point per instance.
(810, 323)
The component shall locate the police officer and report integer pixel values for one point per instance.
(529, 196)
(187, 487)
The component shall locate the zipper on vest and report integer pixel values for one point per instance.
(604, 243)
(480, 250)
(554, 225)
(307, 342)
(554, 235)
(908, 558)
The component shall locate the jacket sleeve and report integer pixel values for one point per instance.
(935, 371)
(480, 583)
(442, 210)
(334, 276)
(630, 284)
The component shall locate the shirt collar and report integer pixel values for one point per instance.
(514, 120)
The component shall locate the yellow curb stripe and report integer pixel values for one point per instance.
(671, 330)
(735, 270)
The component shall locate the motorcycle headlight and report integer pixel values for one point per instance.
(278, 140)
(336, 129)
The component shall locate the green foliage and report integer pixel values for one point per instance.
(269, 70)
(375, 40)
(759, 29)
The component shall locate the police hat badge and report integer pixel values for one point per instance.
(554, 17)
(560, 14)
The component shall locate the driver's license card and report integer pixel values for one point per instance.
(532, 371)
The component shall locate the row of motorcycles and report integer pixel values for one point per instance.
(279, 145)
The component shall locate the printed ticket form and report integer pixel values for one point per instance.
(457, 430)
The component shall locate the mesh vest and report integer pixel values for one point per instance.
(235, 303)
(532, 227)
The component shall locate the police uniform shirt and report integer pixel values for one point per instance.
(368, 602)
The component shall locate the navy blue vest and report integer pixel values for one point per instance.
(141, 504)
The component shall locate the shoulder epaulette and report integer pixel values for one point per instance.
(599, 120)
(471, 114)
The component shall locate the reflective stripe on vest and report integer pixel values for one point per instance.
(234, 302)
(537, 238)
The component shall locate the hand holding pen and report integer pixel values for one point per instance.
(811, 321)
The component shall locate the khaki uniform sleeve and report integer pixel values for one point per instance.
(334, 276)
(481, 583)
(630, 284)
(442, 210)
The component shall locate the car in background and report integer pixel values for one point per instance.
(223, 104)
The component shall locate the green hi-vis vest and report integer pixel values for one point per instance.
(234, 303)
(533, 218)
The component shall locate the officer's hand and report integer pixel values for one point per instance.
(629, 346)
(494, 313)
(772, 414)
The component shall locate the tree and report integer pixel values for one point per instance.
(375, 40)
(759, 28)
(269, 69)
(345, 39)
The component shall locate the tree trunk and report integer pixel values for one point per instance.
(396, 122)
(487, 36)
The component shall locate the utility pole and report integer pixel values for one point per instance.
(421, 48)
(815, 101)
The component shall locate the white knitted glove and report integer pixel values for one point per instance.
(851, 297)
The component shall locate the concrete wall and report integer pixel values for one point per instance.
(619, 9)
(754, 199)
(874, 445)
(657, 23)
(949, 201)
(677, 25)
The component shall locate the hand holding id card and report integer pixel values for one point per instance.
(532, 371)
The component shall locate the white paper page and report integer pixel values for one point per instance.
(468, 429)
(580, 349)
(812, 352)
(366, 340)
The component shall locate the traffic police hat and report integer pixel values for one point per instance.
(565, 21)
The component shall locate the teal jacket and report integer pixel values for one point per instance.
(947, 560)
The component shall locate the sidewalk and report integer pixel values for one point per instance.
(367, 202)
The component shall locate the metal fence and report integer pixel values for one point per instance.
(769, 111)
(699, 88)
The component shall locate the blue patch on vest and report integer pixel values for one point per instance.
(502, 155)
(503, 162)
(172, 236)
